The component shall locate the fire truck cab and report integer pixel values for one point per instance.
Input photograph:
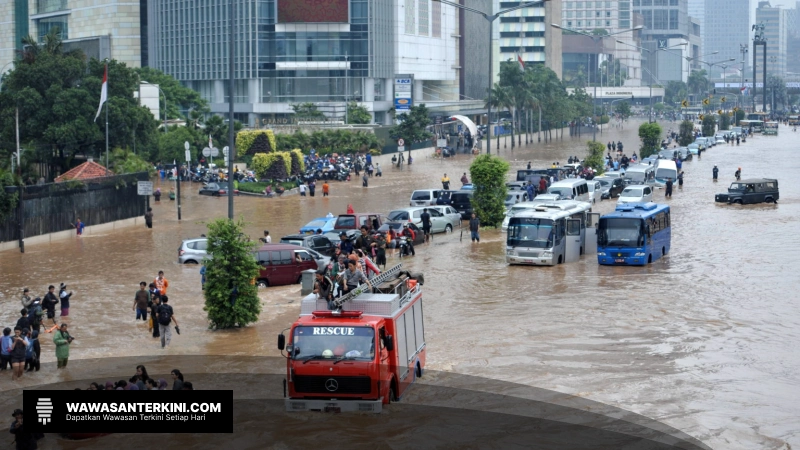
(361, 357)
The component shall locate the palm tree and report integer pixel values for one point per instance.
(499, 100)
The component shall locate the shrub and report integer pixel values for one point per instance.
(274, 166)
(709, 124)
(231, 296)
(488, 175)
(686, 135)
(250, 142)
(595, 158)
(650, 134)
(298, 162)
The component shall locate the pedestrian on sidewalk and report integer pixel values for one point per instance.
(62, 339)
(148, 218)
(166, 317)
(474, 227)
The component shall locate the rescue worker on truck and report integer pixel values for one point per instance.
(323, 287)
(353, 277)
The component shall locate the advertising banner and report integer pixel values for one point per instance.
(313, 11)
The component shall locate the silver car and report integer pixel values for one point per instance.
(439, 224)
(448, 212)
(193, 251)
(307, 254)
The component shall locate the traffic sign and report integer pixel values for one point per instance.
(400, 148)
(719, 111)
(701, 117)
(685, 104)
(225, 151)
(401, 142)
(188, 156)
(214, 152)
(206, 151)
(722, 99)
(144, 187)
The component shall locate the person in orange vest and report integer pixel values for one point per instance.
(325, 189)
(161, 283)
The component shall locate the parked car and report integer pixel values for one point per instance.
(542, 198)
(320, 223)
(720, 140)
(213, 189)
(467, 187)
(753, 190)
(419, 236)
(439, 223)
(444, 197)
(192, 251)
(424, 197)
(282, 264)
(335, 236)
(514, 197)
(610, 187)
(694, 148)
(321, 260)
(355, 221)
(638, 193)
(450, 213)
(462, 202)
(318, 243)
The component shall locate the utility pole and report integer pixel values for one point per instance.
(743, 49)
(19, 151)
(347, 86)
(231, 93)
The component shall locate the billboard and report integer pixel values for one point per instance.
(313, 11)
(402, 93)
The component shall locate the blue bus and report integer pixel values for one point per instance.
(635, 234)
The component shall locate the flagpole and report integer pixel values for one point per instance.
(106, 138)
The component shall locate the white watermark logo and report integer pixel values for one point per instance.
(44, 409)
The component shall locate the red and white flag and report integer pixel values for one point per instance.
(103, 93)
(520, 62)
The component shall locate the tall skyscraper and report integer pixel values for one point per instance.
(527, 32)
(776, 34)
(666, 25)
(727, 26)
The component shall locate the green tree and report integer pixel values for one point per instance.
(357, 114)
(488, 174)
(8, 200)
(777, 89)
(686, 133)
(413, 125)
(124, 161)
(709, 124)
(740, 115)
(623, 109)
(595, 160)
(724, 121)
(307, 111)
(650, 134)
(698, 82)
(231, 295)
(675, 92)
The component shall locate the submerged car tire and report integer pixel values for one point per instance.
(769, 200)
(448, 228)
(263, 283)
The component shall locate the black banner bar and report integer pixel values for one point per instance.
(128, 411)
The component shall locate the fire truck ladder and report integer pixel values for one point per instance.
(361, 288)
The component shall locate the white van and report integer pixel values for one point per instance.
(571, 189)
(595, 189)
(424, 197)
(641, 174)
(665, 168)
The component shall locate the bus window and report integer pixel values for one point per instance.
(573, 227)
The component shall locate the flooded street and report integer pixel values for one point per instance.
(703, 340)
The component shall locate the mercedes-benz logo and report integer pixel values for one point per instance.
(331, 385)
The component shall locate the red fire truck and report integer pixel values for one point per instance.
(361, 356)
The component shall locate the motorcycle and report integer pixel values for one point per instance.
(402, 245)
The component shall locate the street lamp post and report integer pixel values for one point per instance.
(743, 50)
(596, 39)
(231, 93)
(491, 18)
(165, 101)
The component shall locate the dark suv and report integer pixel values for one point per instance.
(755, 190)
(316, 242)
(610, 187)
(462, 202)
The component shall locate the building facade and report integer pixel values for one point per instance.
(527, 33)
(613, 16)
(776, 35)
(304, 51)
(666, 25)
(727, 27)
(101, 28)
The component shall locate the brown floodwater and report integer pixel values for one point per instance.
(703, 340)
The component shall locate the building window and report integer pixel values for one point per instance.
(436, 19)
(44, 26)
(624, 6)
(410, 16)
(647, 2)
(597, 13)
(673, 19)
(580, 14)
(580, 24)
(648, 18)
(660, 2)
(46, 6)
(624, 14)
(569, 24)
(636, 3)
(608, 23)
(624, 23)
(660, 19)
(608, 13)
(580, 5)
(423, 17)
(673, 2)
(569, 14)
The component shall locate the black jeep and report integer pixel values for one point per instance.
(755, 190)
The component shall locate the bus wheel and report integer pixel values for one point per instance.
(392, 395)
(559, 259)
(663, 251)
(769, 200)
(649, 259)
(581, 251)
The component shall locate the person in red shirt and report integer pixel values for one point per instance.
(161, 283)
(542, 185)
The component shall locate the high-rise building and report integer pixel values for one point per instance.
(727, 27)
(527, 32)
(666, 25)
(384, 54)
(613, 16)
(101, 28)
(697, 11)
(776, 35)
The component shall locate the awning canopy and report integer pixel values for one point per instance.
(473, 130)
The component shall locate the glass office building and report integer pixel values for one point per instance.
(297, 51)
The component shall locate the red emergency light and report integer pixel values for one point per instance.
(345, 314)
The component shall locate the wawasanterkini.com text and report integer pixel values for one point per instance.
(144, 407)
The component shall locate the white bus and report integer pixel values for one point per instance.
(520, 207)
(641, 174)
(665, 168)
(552, 233)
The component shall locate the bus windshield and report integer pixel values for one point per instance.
(665, 173)
(525, 232)
(635, 176)
(620, 232)
(333, 342)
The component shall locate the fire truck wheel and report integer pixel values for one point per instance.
(392, 396)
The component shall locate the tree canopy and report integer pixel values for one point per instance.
(413, 126)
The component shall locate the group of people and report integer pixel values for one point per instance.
(141, 381)
(20, 349)
(153, 299)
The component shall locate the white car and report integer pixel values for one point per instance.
(637, 193)
(439, 223)
(450, 213)
(595, 190)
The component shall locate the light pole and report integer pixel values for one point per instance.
(346, 86)
(652, 77)
(596, 39)
(165, 100)
(491, 18)
(743, 49)
(231, 93)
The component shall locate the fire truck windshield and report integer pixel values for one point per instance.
(333, 342)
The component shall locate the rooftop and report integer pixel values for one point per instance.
(85, 171)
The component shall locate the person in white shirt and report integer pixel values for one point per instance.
(267, 239)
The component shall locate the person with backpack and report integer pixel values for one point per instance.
(32, 352)
(35, 314)
(24, 321)
(49, 303)
(165, 317)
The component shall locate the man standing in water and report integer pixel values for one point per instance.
(161, 283)
(668, 192)
(474, 227)
(715, 172)
(62, 339)
(148, 218)
(165, 318)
